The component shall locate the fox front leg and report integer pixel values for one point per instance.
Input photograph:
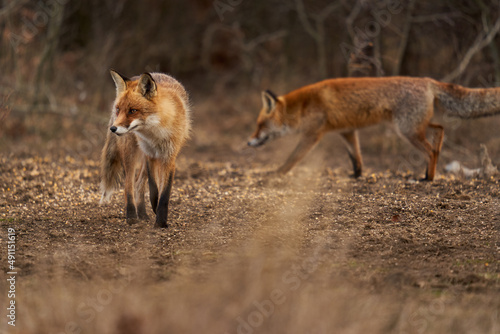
(161, 177)
(162, 209)
(307, 142)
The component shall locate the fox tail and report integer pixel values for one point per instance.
(466, 103)
(111, 167)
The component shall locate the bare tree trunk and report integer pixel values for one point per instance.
(404, 40)
(364, 61)
(349, 21)
(496, 63)
(493, 47)
(378, 58)
(317, 33)
(6, 12)
(47, 58)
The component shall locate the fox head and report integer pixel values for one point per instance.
(135, 101)
(270, 123)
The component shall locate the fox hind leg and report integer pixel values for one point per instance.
(153, 187)
(420, 141)
(131, 211)
(436, 150)
(351, 141)
(130, 164)
(140, 188)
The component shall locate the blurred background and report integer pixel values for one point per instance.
(380, 254)
(56, 92)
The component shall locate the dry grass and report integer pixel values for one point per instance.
(284, 262)
(258, 287)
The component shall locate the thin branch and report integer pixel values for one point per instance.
(318, 33)
(493, 47)
(436, 17)
(327, 11)
(4, 108)
(11, 7)
(264, 38)
(480, 42)
(305, 21)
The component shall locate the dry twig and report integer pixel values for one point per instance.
(480, 42)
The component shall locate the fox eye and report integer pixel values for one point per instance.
(117, 110)
(132, 111)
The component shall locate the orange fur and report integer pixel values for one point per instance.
(149, 124)
(347, 104)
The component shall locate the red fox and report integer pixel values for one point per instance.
(347, 104)
(150, 122)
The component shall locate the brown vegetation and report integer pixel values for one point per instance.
(315, 251)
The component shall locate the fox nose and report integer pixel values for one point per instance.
(252, 142)
(113, 128)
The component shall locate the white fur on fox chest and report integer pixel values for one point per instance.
(154, 139)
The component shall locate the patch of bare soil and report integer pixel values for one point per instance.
(246, 252)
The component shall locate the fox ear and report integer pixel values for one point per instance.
(147, 86)
(120, 81)
(269, 100)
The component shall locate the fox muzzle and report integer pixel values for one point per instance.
(119, 130)
(255, 142)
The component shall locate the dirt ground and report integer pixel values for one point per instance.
(315, 251)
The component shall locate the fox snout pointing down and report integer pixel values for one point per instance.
(149, 124)
(269, 124)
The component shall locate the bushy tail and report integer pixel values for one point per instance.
(111, 167)
(464, 102)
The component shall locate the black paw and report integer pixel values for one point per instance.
(161, 225)
(132, 221)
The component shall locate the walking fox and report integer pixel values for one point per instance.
(150, 122)
(347, 104)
